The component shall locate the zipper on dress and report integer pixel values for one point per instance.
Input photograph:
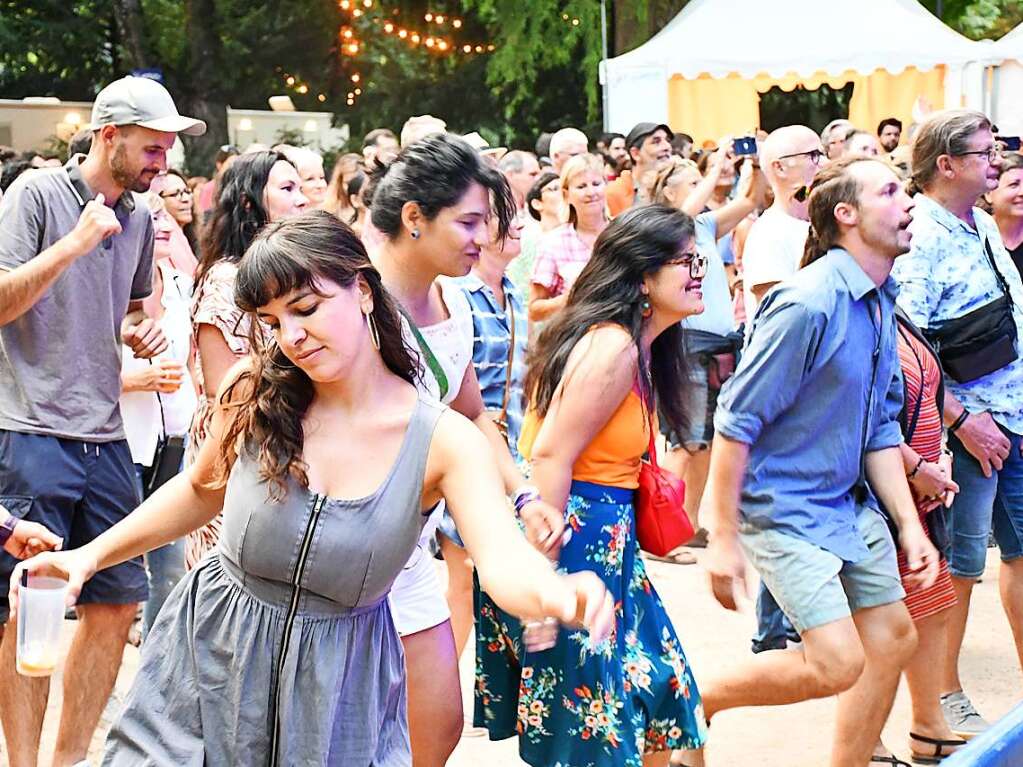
(289, 623)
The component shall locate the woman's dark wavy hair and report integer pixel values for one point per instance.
(635, 244)
(436, 172)
(286, 256)
(238, 213)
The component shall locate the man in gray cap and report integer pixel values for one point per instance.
(76, 260)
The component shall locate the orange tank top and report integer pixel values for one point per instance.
(613, 457)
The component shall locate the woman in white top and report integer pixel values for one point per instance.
(158, 396)
(433, 204)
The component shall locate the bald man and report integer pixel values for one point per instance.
(789, 157)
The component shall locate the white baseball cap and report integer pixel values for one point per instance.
(141, 101)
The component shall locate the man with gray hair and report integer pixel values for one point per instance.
(566, 144)
(522, 170)
(76, 260)
(959, 285)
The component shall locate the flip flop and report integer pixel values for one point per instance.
(939, 749)
(679, 556)
(892, 760)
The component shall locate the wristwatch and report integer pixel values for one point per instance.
(7, 526)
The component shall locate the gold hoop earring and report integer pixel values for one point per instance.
(374, 336)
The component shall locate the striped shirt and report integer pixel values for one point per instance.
(921, 372)
(491, 337)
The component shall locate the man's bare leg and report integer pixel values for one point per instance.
(22, 704)
(89, 676)
(829, 661)
(957, 617)
(1010, 583)
(889, 640)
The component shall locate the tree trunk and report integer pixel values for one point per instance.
(130, 28)
(199, 85)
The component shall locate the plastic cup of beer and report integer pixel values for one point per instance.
(40, 618)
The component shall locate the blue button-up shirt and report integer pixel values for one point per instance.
(491, 337)
(800, 395)
(947, 274)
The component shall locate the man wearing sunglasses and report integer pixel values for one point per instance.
(789, 158)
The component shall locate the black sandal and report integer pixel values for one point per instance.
(892, 760)
(939, 748)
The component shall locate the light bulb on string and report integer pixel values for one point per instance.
(356, 77)
(358, 91)
(303, 89)
(439, 19)
(442, 45)
(479, 49)
(321, 98)
(415, 38)
(457, 23)
(428, 17)
(491, 48)
(357, 12)
(467, 48)
(402, 33)
(575, 22)
(388, 27)
(290, 81)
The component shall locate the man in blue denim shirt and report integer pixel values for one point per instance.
(811, 415)
(948, 273)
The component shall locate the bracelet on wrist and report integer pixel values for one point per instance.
(915, 468)
(524, 496)
(959, 421)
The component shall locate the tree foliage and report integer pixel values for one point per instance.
(542, 73)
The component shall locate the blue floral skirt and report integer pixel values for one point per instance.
(580, 706)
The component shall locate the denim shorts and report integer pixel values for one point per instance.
(78, 490)
(813, 586)
(701, 402)
(984, 505)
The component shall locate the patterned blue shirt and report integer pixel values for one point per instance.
(947, 274)
(491, 336)
(800, 396)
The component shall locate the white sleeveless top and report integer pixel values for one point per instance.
(451, 343)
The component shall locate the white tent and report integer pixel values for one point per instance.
(1007, 84)
(784, 42)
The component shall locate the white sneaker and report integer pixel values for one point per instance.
(961, 716)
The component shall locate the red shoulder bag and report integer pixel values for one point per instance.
(662, 524)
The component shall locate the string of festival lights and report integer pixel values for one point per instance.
(438, 42)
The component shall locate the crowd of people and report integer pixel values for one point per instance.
(244, 416)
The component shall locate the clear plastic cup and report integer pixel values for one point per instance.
(40, 618)
(538, 636)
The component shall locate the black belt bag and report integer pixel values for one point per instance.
(980, 342)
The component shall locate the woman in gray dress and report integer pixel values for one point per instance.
(280, 649)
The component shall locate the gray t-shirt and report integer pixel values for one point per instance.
(60, 362)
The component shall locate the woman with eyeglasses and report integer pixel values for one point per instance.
(176, 199)
(596, 371)
(255, 190)
(158, 397)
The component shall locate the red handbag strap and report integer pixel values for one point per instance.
(652, 447)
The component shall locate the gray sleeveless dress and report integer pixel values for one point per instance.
(279, 649)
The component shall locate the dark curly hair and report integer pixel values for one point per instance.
(275, 394)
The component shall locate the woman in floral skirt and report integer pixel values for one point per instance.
(595, 374)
